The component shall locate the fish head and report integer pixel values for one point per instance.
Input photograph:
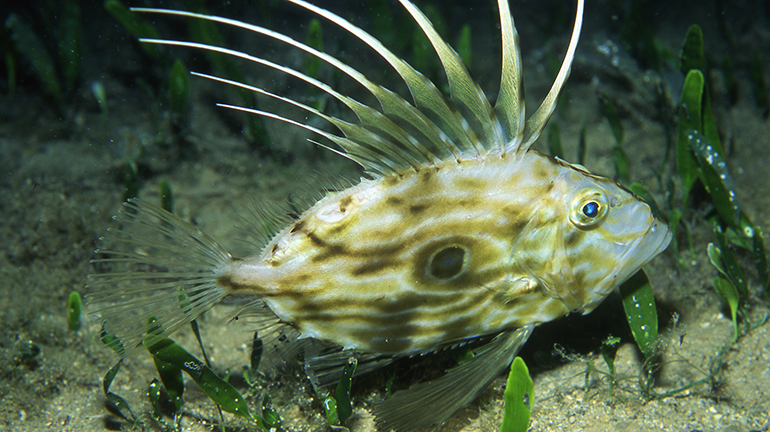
(608, 234)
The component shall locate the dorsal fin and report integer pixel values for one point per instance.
(403, 136)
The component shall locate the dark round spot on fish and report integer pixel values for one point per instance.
(447, 263)
(591, 209)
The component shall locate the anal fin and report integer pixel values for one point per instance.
(435, 401)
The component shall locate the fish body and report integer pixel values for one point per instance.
(405, 264)
(460, 232)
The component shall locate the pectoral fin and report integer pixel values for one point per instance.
(435, 401)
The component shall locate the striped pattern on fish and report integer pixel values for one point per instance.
(460, 232)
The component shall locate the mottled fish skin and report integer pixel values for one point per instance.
(362, 269)
(460, 232)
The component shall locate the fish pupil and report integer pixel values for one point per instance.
(591, 209)
(447, 263)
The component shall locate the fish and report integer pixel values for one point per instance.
(458, 233)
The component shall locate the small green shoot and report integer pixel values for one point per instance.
(100, 94)
(729, 295)
(251, 372)
(166, 197)
(732, 269)
(337, 407)
(519, 398)
(269, 415)
(342, 393)
(609, 349)
(74, 310)
(724, 286)
(330, 408)
(130, 180)
(155, 394)
(116, 404)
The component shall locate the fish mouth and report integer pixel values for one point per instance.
(654, 240)
(648, 245)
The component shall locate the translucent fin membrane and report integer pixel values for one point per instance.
(155, 266)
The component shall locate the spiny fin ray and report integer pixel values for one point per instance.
(435, 401)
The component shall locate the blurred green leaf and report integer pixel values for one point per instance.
(139, 27)
(690, 119)
(554, 141)
(691, 56)
(519, 398)
(611, 113)
(179, 88)
(70, 43)
(732, 269)
(581, 150)
(206, 32)
(639, 304)
(729, 294)
(29, 46)
(620, 160)
(464, 45)
(314, 39)
(642, 192)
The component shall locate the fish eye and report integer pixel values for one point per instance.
(447, 263)
(589, 208)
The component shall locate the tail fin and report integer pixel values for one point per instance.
(155, 273)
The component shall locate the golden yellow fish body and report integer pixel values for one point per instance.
(460, 232)
(409, 263)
